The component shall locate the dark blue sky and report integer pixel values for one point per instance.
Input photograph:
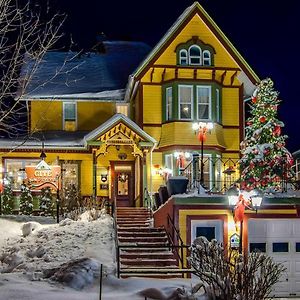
(265, 32)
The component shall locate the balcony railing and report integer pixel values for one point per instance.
(220, 173)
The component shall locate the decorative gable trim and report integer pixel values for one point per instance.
(182, 21)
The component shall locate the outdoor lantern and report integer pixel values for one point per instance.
(233, 196)
(256, 199)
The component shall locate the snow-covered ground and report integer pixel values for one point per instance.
(62, 261)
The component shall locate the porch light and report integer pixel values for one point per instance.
(256, 199)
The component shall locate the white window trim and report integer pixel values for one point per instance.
(218, 105)
(167, 102)
(192, 56)
(183, 58)
(218, 224)
(209, 103)
(68, 102)
(206, 59)
(192, 100)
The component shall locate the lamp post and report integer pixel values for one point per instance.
(201, 128)
(238, 201)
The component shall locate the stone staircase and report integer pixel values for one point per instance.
(143, 250)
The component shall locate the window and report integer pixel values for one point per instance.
(70, 173)
(69, 116)
(169, 161)
(195, 55)
(169, 101)
(258, 247)
(297, 247)
(185, 94)
(280, 247)
(204, 102)
(218, 119)
(183, 57)
(208, 232)
(206, 58)
(15, 170)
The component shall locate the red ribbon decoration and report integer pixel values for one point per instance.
(202, 134)
(239, 210)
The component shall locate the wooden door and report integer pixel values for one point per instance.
(123, 183)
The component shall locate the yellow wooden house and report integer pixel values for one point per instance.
(108, 133)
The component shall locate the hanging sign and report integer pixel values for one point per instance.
(42, 176)
(234, 241)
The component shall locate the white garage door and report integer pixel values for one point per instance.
(281, 240)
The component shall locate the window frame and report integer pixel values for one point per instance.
(169, 110)
(186, 58)
(218, 106)
(191, 87)
(64, 117)
(209, 88)
(206, 58)
(195, 56)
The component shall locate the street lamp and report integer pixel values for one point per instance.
(201, 128)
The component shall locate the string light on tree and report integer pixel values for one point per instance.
(265, 161)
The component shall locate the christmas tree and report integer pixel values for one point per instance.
(26, 201)
(7, 198)
(265, 162)
(46, 203)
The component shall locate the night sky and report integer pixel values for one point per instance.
(265, 32)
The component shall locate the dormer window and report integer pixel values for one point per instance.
(195, 55)
(206, 58)
(183, 57)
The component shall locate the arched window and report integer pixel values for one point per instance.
(183, 57)
(195, 55)
(206, 58)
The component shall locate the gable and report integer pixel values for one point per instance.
(196, 22)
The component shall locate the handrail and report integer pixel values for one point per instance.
(171, 237)
(114, 215)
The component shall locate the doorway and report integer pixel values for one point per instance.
(123, 183)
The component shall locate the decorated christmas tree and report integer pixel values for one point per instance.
(26, 203)
(265, 162)
(7, 198)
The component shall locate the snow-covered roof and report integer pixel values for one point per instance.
(101, 76)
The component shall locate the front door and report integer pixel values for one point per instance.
(123, 183)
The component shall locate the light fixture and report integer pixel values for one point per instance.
(256, 199)
(233, 196)
(43, 154)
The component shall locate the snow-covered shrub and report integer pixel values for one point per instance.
(231, 275)
(70, 202)
(29, 227)
(26, 201)
(46, 202)
(7, 199)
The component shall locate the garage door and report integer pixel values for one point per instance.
(281, 240)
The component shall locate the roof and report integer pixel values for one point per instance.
(248, 76)
(70, 75)
(73, 140)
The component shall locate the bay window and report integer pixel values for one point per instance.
(185, 97)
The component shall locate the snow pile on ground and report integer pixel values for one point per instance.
(51, 250)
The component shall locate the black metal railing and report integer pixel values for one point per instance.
(176, 242)
(220, 173)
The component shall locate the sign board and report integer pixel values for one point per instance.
(43, 175)
(234, 241)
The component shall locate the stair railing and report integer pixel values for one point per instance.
(176, 241)
(114, 215)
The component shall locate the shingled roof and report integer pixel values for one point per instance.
(92, 75)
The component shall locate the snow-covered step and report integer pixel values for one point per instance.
(141, 261)
(148, 255)
(142, 234)
(134, 229)
(141, 239)
(144, 249)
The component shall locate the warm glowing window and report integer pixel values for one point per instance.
(185, 97)
(204, 102)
